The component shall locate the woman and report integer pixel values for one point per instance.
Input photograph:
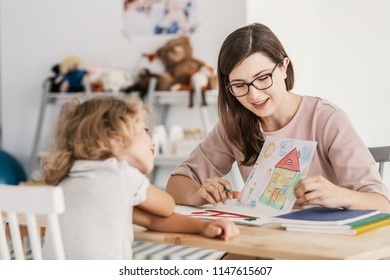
(255, 100)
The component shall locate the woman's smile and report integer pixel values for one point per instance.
(259, 105)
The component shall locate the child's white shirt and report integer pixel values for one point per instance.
(99, 200)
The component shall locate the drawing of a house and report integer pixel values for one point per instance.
(283, 178)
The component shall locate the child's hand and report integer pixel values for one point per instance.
(222, 228)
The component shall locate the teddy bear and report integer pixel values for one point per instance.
(182, 71)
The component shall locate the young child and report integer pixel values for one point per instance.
(100, 156)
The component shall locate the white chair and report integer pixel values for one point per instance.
(42, 203)
(381, 155)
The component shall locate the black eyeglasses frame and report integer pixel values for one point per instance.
(229, 87)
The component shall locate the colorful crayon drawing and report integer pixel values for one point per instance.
(282, 181)
(230, 210)
(280, 165)
(220, 214)
(269, 189)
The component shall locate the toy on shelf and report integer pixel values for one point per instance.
(97, 86)
(141, 86)
(182, 71)
(74, 76)
(103, 79)
(176, 140)
(55, 81)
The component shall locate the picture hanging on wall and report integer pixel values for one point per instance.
(159, 17)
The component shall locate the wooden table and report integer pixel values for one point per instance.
(273, 242)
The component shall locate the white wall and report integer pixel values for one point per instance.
(339, 49)
(340, 52)
(36, 34)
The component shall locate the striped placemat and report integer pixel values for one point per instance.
(153, 251)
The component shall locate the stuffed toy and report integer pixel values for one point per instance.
(55, 81)
(103, 79)
(97, 86)
(182, 70)
(141, 85)
(115, 79)
(74, 76)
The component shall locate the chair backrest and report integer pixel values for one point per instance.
(35, 203)
(381, 155)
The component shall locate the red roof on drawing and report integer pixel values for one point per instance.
(290, 161)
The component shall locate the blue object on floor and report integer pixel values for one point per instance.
(11, 171)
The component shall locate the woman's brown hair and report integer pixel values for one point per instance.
(241, 125)
(84, 130)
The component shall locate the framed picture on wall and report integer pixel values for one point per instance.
(159, 17)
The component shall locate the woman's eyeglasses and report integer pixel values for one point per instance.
(260, 83)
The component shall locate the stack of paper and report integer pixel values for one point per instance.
(336, 221)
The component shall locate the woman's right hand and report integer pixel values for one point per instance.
(213, 191)
(186, 191)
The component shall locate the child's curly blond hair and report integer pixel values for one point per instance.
(84, 130)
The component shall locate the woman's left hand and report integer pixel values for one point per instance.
(319, 191)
